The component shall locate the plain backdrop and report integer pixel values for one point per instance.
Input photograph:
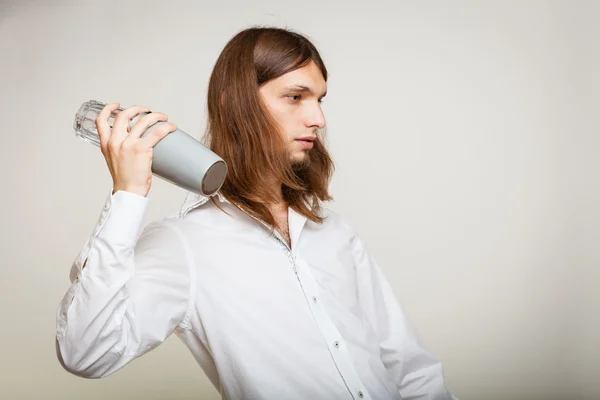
(465, 137)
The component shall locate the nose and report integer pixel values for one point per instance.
(315, 117)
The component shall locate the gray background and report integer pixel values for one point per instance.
(465, 136)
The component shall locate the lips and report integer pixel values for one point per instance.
(308, 144)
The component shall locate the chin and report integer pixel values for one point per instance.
(300, 156)
(300, 162)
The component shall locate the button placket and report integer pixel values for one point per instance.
(328, 329)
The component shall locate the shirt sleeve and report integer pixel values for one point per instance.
(417, 373)
(128, 291)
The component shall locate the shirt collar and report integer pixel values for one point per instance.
(194, 200)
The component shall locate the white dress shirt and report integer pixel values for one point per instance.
(317, 321)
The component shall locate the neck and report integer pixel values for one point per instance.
(280, 206)
(280, 203)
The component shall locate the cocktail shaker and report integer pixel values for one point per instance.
(177, 158)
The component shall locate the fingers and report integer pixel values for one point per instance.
(112, 140)
(119, 131)
(144, 123)
(157, 134)
(102, 125)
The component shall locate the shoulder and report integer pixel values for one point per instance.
(334, 219)
(159, 233)
(344, 226)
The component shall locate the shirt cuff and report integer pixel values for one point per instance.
(124, 214)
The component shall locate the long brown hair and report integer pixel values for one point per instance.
(241, 130)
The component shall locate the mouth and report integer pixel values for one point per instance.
(307, 139)
(306, 143)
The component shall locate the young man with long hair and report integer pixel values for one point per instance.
(275, 295)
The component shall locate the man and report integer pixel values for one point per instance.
(275, 296)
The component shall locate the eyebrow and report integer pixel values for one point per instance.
(302, 88)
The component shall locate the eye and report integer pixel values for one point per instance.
(296, 97)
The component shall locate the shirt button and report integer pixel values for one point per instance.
(336, 344)
(314, 299)
(360, 394)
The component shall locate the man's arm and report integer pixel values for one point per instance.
(129, 297)
(417, 373)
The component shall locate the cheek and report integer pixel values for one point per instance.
(288, 123)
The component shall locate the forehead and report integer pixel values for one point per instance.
(309, 75)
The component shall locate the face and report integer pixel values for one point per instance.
(294, 100)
